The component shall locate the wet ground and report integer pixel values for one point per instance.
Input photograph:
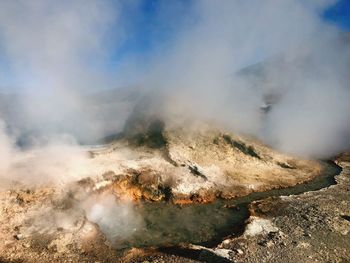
(167, 224)
(169, 231)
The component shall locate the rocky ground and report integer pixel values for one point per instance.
(311, 227)
(197, 165)
(70, 222)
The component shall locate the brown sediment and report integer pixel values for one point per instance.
(147, 186)
(92, 245)
(188, 166)
(182, 167)
(200, 198)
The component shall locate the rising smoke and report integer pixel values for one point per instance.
(48, 47)
(204, 71)
(55, 51)
(118, 220)
(240, 56)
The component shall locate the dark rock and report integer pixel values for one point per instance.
(194, 170)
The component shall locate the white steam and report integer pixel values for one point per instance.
(117, 220)
(58, 162)
(303, 65)
(6, 150)
(55, 52)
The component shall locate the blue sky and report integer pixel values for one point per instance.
(150, 25)
(147, 28)
(147, 32)
(150, 31)
(339, 14)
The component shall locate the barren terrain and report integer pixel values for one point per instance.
(59, 222)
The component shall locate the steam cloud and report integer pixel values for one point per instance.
(223, 62)
(241, 55)
(117, 220)
(49, 47)
(58, 162)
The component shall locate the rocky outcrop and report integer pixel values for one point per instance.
(48, 224)
(200, 164)
(155, 162)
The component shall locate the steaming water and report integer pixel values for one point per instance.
(167, 224)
